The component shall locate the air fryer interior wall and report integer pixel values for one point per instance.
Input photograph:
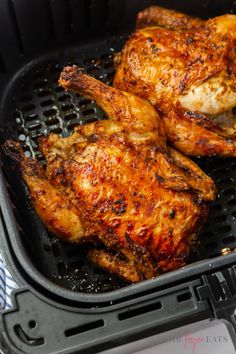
(86, 33)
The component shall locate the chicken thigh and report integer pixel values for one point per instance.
(116, 185)
(186, 68)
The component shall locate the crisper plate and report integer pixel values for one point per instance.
(38, 106)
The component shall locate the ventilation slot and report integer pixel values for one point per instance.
(140, 311)
(43, 93)
(71, 126)
(31, 117)
(88, 111)
(64, 97)
(36, 135)
(46, 103)
(56, 130)
(28, 108)
(34, 126)
(91, 120)
(84, 103)
(84, 328)
(67, 107)
(51, 121)
(70, 116)
(184, 297)
(50, 112)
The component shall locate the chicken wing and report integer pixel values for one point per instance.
(139, 204)
(186, 68)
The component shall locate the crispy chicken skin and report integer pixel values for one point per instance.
(159, 16)
(186, 68)
(115, 184)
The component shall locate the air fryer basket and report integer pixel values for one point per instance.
(56, 276)
(40, 106)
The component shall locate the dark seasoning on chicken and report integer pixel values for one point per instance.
(117, 184)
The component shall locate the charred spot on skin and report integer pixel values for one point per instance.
(93, 138)
(202, 142)
(119, 207)
(133, 82)
(150, 39)
(154, 49)
(130, 227)
(63, 181)
(186, 170)
(58, 171)
(137, 206)
(119, 202)
(122, 257)
(194, 114)
(159, 178)
(182, 86)
(135, 248)
(198, 202)
(172, 214)
(189, 40)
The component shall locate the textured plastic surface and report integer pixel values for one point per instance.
(203, 337)
(32, 330)
(40, 40)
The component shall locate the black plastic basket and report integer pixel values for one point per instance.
(64, 304)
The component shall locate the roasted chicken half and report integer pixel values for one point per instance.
(116, 185)
(186, 68)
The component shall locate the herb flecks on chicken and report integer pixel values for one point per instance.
(116, 185)
(186, 68)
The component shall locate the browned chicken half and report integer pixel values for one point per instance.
(186, 68)
(115, 184)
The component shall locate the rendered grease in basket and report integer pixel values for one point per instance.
(117, 185)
